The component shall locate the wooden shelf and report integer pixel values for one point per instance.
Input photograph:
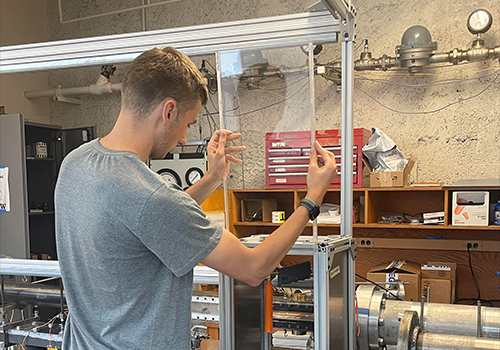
(448, 245)
(255, 223)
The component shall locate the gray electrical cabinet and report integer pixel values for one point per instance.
(29, 227)
(14, 238)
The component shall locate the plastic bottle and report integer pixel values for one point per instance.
(496, 214)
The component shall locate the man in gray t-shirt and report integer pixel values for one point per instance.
(127, 242)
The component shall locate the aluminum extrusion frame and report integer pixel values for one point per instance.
(260, 33)
(331, 280)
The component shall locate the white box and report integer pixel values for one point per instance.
(434, 218)
(470, 208)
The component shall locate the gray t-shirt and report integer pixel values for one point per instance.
(127, 244)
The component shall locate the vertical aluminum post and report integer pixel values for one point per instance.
(226, 284)
(321, 300)
(226, 312)
(222, 126)
(312, 116)
(346, 200)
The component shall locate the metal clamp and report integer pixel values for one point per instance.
(409, 330)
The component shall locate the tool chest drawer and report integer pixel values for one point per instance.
(287, 156)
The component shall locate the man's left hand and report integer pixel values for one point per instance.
(219, 156)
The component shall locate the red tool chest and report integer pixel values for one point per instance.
(287, 156)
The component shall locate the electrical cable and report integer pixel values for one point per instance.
(50, 332)
(474, 301)
(287, 83)
(439, 82)
(208, 120)
(379, 285)
(210, 64)
(276, 103)
(472, 272)
(41, 326)
(431, 111)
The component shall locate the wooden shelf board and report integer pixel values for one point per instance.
(252, 190)
(255, 223)
(394, 189)
(379, 226)
(431, 227)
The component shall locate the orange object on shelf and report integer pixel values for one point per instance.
(268, 325)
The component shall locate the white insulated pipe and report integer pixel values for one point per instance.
(101, 87)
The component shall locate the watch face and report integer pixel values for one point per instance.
(193, 175)
(170, 176)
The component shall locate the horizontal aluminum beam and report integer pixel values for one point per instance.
(27, 267)
(260, 33)
(304, 244)
(50, 268)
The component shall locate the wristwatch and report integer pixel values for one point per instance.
(311, 206)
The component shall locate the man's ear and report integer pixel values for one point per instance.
(169, 111)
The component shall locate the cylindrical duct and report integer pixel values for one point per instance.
(432, 341)
(442, 319)
(33, 294)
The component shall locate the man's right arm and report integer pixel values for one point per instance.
(253, 265)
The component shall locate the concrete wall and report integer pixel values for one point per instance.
(23, 22)
(459, 141)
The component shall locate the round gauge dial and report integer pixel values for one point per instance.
(193, 175)
(170, 176)
(479, 21)
(316, 49)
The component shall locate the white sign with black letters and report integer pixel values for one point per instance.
(4, 189)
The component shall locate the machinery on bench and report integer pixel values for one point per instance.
(384, 322)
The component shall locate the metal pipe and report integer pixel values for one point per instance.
(476, 53)
(29, 294)
(101, 87)
(442, 319)
(432, 341)
(478, 327)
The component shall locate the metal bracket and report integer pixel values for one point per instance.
(352, 248)
(347, 28)
(60, 98)
(346, 13)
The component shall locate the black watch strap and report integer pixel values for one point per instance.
(311, 206)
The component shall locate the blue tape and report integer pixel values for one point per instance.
(497, 273)
(363, 311)
(3, 211)
(2, 166)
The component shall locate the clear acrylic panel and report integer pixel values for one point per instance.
(262, 92)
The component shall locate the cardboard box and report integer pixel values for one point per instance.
(440, 291)
(470, 208)
(439, 270)
(440, 278)
(406, 271)
(391, 178)
(258, 209)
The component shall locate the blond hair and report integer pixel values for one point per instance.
(160, 73)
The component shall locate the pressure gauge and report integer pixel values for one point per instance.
(170, 176)
(479, 22)
(316, 49)
(193, 175)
